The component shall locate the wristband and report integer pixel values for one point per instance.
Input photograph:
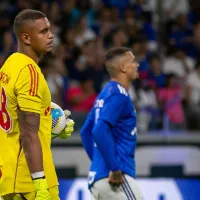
(37, 175)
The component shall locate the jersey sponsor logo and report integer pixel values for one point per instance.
(34, 80)
(4, 78)
(122, 90)
(99, 103)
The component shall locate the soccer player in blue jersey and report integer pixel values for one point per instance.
(109, 133)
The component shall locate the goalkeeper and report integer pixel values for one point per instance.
(27, 166)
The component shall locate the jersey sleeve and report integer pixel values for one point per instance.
(113, 108)
(28, 90)
(86, 134)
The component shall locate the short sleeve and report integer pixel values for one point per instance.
(28, 92)
(113, 108)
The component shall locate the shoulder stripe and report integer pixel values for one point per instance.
(34, 80)
(37, 81)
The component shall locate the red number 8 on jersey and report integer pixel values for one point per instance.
(5, 120)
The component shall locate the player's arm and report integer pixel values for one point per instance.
(29, 99)
(108, 117)
(86, 134)
(29, 126)
(106, 144)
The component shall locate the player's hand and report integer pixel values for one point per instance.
(69, 128)
(116, 178)
(41, 188)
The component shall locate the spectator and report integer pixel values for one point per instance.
(8, 43)
(87, 56)
(104, 24)
(84, 29)
(193, 97)
(147, 105)
(171, 8)
(193, 49)
(44, 7)
(97, 71)
(181, 33)
(82, 96)
(66, 19)
(194, 14)
(140, 50)
(83, 8)
(170, 98)
(150, 32)
(119, 38)
(68, 39)
(54, 14)
(84, 33)
(54, 71)
(157, 79)
(178, 63)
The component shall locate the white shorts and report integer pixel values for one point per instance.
(102, 190)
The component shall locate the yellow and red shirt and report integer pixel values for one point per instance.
(23, 86)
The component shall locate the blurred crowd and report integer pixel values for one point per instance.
(164, 37)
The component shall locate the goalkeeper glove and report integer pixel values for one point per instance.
(69, 128)
(41, 188)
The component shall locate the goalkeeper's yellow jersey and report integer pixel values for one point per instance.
(23, 86)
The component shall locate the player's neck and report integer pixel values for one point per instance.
(28, 52)
(122, 81)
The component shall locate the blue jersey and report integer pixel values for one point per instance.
(114, 107)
